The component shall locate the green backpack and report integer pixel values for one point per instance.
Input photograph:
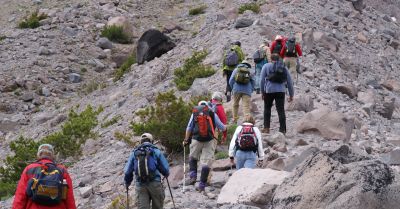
(242, 75)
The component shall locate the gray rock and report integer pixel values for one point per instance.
(386, 108)
(71, 32)
(104, 43)
(46, 92)
(301, 103)
(44, 51)
(358, 5)
(243, 22)
(97, 64)
(293, 162)
(74, 78)
(152, 44)
(27, 97)
(86, 191)
(349, 90)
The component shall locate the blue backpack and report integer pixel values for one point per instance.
(145, 163)
(46, 187)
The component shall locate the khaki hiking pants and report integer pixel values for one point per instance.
(203, 151)
(291, 64)
(246, 99)
(151, 192)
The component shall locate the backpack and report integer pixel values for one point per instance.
(278, 74)
(242, 75)
(291, 48)
(145, 163)
(46, 187)
(278, 47)
(259, 56)
(247, 139)
(232, 58)
(203, 123)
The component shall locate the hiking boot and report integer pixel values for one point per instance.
(228, 96)
(258, 91)
(190, 181)
(201, 187)
(265, 130)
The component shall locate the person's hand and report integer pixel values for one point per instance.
(185, 142)
(290, 99)
(260, 163)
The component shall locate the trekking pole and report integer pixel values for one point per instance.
(127, 197)
(184, 168)
(172, 197)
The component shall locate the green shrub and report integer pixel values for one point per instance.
(112, 121)
(192, 68)
(67, 143)
(32, 21)
(198, 10)
(116, 34)
(2, 38)
(126, 138)
(249, 6)
(221, 155)
(166, 120)
(125, 67)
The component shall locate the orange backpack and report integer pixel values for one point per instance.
(203, 123)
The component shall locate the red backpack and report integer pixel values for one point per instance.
(247, 139)
(203, 123)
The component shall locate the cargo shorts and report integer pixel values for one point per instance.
(203, 151)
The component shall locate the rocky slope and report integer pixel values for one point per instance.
(350, 68)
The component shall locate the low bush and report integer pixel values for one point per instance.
(198, 10)
(32, 21)
(249, 6)
(67, 143)
(192, 68)
(166, 120)
(116, 34)
(126, 138)
(112, 121)
(221, 155)
(125, 67)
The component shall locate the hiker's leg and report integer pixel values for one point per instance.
(292, 63)
(205, 170)
(250, 160)
(240, 159)
(246, 103)
(228, 87)
(268, 100)
(157, 194)
(280, 107)
(194, 156)
(206, 160)
(142, 197)
(258, 75)
(236, 99)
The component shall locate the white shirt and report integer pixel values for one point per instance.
(235, 135)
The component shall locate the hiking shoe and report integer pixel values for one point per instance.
(190, 181)
(258, 91)
(228, 98)
(265, 130)
(201, 187)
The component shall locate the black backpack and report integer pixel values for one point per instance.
(46, 187)
(259, 56)
(278, 47)
(247, 139)
(278, 73)
(145, 163)
(291, 48)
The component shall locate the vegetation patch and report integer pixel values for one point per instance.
(192, 68)
(116, 34)
(249, 6)
(2, 38)
(125, 67)
(112, 121)
(198, 10)
(126, 138)
(32, 21)
(67, 143)
(221, 155)
(166, 120)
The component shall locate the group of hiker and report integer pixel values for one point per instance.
(45, 184)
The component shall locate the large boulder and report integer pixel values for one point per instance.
(152, 44)
(301, 103)
(341, 179)
(349, 90)
(386, 108)
(251, 186)
(124, 23)
(330, 124)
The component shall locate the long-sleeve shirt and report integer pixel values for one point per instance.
(299, 53)
(274, 43)
(216, 120)
(232, 145)
(22, 201)
(272, 87)
(240, 54)
(241, 88)
(162, 165)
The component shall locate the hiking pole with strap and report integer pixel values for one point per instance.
(170, 192)
(127, 197)
(184, 168)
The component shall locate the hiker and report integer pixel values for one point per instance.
(218, 108)
(260, 59)
(275, 78)
(291, 53)
(44, 184)
(277, 45)
(232, 58)
(245, 143)
(200, 134)
(147, 162)
(242, 84)
(267, 50)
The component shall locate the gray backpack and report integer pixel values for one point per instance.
(232, 58)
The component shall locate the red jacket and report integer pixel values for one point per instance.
(220, 111)
(21, 201)
(273, 45)
(297, 48)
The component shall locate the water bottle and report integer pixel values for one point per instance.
(64, 189)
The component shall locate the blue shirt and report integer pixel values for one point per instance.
(162, 165)
(241, 88)
(272, 87)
